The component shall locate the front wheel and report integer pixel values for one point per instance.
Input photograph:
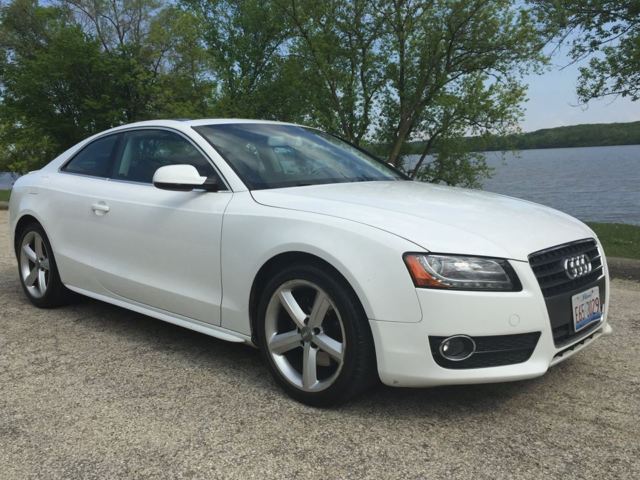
(315, 336)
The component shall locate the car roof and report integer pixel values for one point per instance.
(197, 122)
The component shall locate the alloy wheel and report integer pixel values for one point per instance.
(305, 335)
(34, 264)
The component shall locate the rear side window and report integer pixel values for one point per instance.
(95, 158)
(144, 151)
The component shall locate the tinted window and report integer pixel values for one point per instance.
(95, 158)
(271, 156)
(144, 151)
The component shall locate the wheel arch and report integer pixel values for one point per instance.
(21, 224)
(279, 261)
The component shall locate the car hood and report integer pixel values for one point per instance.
(437, 218)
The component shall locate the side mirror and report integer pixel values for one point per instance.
(182, 178)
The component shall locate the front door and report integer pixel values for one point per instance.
(161, 248)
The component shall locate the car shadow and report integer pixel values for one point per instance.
(225, 356)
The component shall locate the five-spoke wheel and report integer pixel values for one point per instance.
(315, 336)
(305, 335)
(38, 271)
(34, 264)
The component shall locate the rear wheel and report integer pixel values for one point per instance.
(315, 336)
(38, 270)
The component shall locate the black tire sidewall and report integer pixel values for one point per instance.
(355, 374)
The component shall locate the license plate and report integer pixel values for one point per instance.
(587, 308)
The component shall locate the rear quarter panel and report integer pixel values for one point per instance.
(25, 200)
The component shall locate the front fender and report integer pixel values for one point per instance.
(369, 259)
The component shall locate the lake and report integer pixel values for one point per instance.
(600, 184)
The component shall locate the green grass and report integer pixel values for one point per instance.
(618, 240)
(4, 195)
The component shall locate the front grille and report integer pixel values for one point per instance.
(557, 288)
(548, 266)
(491, 351)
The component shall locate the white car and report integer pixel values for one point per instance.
(340, 269)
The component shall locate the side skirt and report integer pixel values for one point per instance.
(191, 324)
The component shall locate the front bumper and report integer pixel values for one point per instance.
(405, 357)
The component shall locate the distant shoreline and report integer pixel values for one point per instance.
(558, 148)
(542, 148)
(574, 136)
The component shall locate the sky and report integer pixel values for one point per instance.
(553, 101)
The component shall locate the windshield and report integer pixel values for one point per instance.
(273, 156)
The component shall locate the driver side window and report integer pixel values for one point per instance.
(144, 151)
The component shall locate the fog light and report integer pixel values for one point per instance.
(457, 348)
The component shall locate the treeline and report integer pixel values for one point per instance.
(586, 135)
(371, 71)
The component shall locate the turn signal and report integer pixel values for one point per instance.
(421, 277)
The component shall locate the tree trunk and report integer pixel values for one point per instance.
(403, 131)
(425, 152)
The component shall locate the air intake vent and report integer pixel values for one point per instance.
(491, 351)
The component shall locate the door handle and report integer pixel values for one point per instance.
(100, 208)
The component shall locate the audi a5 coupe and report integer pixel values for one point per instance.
(341, 270)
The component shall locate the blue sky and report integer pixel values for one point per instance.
(553, 101)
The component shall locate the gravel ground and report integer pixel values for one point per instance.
(94, 391)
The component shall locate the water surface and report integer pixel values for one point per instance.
(599, 184)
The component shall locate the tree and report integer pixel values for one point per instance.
(185, 88)
(246, 43)
(608, 31)
(140, 36)
(56, 87)
(389, 72)
(476, 108)
(78, 67)
(449, 60)
(339, 44)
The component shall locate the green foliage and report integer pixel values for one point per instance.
(618, 240)
(449, 61)
(4, 195)
(339, 46)
(453, 164)
(65, 78)
(608, 31)
(245, 44)
(388, 72)
(56, 88)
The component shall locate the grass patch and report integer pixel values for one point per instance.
(4, 195)
(618, 240)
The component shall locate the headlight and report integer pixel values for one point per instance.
(458, 272)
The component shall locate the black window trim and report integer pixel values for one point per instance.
(117, 151)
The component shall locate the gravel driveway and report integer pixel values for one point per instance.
(95, 391)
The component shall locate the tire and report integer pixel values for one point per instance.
(37, 269)
(314, 335)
